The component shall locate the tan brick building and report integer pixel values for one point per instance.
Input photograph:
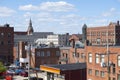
(97, 63)
(99, 36)
(96, 59)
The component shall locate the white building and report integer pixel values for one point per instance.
(56, 39)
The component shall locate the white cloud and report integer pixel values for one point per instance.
(106, 14)
(27, 14)
(5, 12)
(112, 9)
(109, 13)
(101, 20)
(56, 6)
(60, 6)
(28, 7)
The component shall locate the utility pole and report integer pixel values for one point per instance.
(29, 52)
(30, 58)
(108, 66)
(75, 54)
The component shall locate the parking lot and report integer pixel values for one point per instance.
(18, 77)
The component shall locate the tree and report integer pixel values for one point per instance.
(2, 68)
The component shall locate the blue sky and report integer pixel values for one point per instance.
(58, 16)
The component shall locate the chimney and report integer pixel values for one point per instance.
(118, 23)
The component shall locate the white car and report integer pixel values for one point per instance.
(11, 72)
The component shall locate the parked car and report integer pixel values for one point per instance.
(25, 74)
(10, 72)
(18, 71)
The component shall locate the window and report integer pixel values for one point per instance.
(73, 54)
(48, 53)
(98, 41)
(77, 55)
(66, 55)
(63, 54)
(113, 79)
(9, 34)
(82, 55)
(102, 74)
(2, 34)
(89, 79)
(97, 58)
(118, 77)
(9, 42)
(57, 53)
(42, 53)
(90, 71)
(102, 58)
(38, 53)
(119, 60)
(90, 58)
(2, 43)
(96, 73)
(113, 69)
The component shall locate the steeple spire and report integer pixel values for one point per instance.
(30, 28)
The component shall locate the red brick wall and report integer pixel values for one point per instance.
(95, 33)
(40, 60)
(6, 43)
(114, 52)
(75, 74)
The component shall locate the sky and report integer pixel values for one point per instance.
(58, 16)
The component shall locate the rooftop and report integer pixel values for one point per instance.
(73, 66)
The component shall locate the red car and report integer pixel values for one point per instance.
(25, 74)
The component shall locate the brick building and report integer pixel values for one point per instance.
(96, 59)
(98, 35)
(64, 55)
(6, 43)
(38, 56)
(43, 56)
(75, 71)
(72, 55)
(101, 66)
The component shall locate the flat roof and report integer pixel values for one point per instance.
(64, 67)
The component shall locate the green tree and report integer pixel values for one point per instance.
(2, 67)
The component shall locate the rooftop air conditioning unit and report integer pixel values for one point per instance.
(103, 64)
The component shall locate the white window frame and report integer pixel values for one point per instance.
(97, 58)
(90, 57)
(102, 74)
(96, 72)
(102, 58)
(90, 71)
(118, 60)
